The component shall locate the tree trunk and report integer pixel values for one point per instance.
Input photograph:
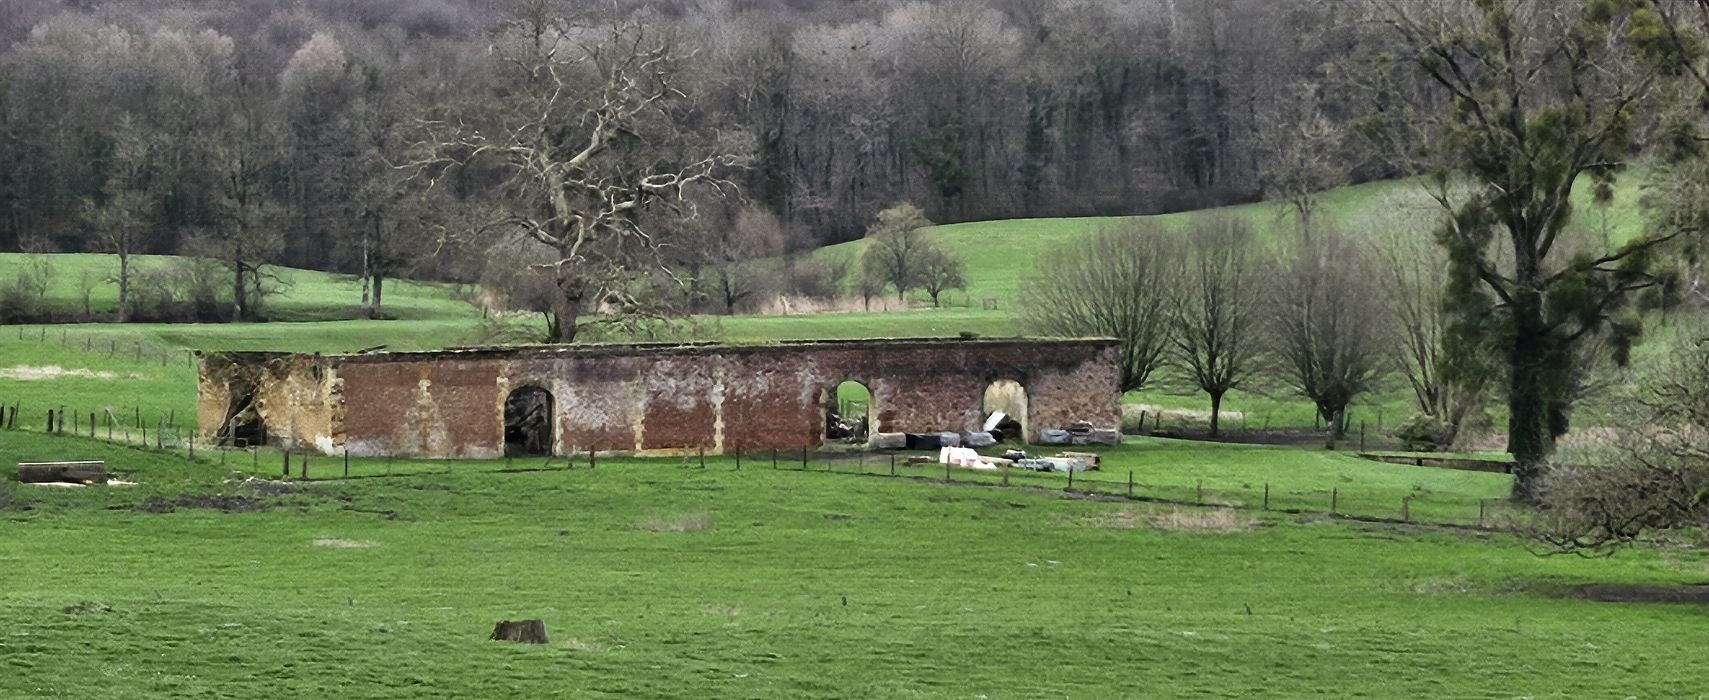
(1216, 413)
(124, 285)
(520, 631)
(1333, 417)
(567, 306)
(238, 302)
(379, 289)
(1528, 436)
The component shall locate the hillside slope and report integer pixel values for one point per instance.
(1000, 255)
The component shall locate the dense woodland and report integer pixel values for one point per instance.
(183, 119)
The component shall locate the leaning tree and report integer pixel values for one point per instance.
(590, 138)
(1531, 100)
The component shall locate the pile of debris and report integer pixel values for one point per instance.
(1063, 462)
(851, 430)
(995, 431)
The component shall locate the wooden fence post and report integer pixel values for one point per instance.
(1266, 495)
(1334, 500)
(1130, 483)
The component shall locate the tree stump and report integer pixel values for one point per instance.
(520, 631)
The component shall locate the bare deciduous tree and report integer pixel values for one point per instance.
(1328, 329)
(1447, 388)
(895, 248)
(940, 272)
(1216, 321)
(119, 215)
(593, 127)
(1119, 283)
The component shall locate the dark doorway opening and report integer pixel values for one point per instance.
(243, 426)
(528, 423)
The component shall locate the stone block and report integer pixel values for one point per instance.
(888, 441)
(1055, 437)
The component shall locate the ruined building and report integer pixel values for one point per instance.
(647, 399)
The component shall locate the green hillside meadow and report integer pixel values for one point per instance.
(660, 578)
(1178, 569)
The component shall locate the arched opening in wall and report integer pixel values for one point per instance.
(528, 422)
(1005, 408)
(243, 426)
(848, 412)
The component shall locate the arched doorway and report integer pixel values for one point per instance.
(1008, 397)
(848, 412)
(243, 426)
(528, 422)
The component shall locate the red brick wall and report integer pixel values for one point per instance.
(721, 398)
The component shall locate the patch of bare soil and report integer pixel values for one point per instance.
(224, 503)
(29, 373)
(1609, 593)
(1213, 520)
(693, 522)
(267, 487)
(339, 543)
(10, 502)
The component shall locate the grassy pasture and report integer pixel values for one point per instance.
(1000, 254)
(304, 295)
(660, 580)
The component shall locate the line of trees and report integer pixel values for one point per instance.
(257, 133)
(1218, 308)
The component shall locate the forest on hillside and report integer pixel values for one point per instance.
(180, 119)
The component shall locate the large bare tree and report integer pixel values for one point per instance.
(1328, 328)
(1217, 319)
(591, 128)
(1119, 283)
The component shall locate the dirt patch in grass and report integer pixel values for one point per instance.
(87, 607)
(339, 543)
(28, 373)
(268, 487)
(1212, 520)
(692, 522)
(1617, 593)
(1172, 520)
(10, 501)
(224, 503)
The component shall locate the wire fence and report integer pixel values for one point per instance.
(108, 345)
(165, 432)
(1111, 482)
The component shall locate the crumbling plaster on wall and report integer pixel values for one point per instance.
(664, 400)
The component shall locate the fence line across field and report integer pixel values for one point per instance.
(105, 344)
(164, 433)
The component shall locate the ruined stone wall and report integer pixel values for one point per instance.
(296, 396)
(660, 400)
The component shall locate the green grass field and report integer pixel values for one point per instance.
(1000, 254)
(658, 579)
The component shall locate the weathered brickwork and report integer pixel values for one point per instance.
(653, 399)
